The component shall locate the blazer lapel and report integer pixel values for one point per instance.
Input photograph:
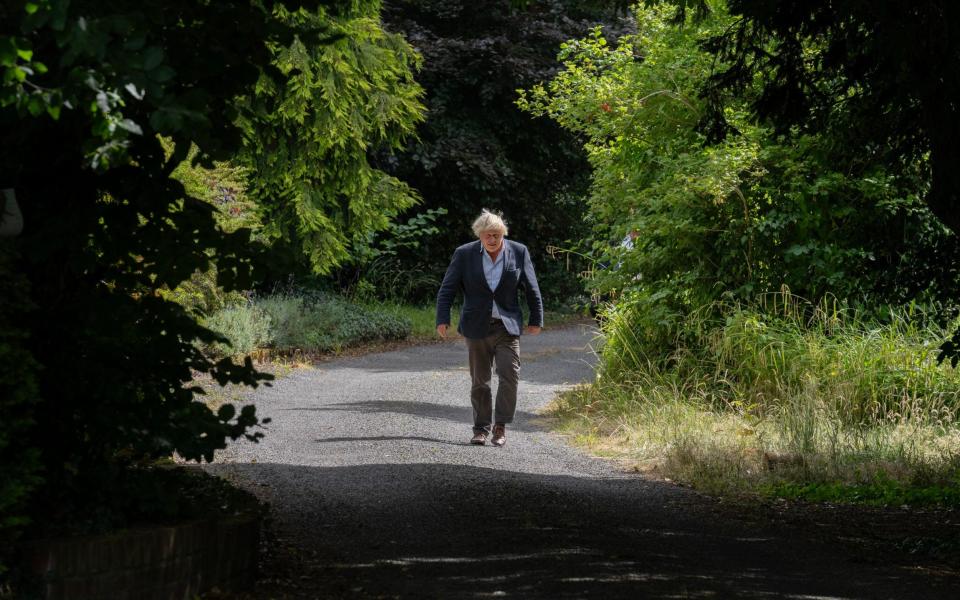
(478, 264)
(508, 261)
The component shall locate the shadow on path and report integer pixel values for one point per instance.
(454, 531)
(461, 415)
(389, 438)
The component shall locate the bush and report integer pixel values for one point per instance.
(738, 217)
(245, 328)
(308, 322)
(323, 323)
(201, 294)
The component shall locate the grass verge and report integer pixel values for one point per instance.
(803, 402)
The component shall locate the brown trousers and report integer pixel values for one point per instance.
(504, 349)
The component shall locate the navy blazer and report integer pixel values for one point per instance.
(466, 273)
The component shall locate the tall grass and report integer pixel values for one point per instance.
(776, 395)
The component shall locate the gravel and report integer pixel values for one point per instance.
(375, 493)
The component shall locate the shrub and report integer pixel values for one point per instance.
(325, 322)
(245, 328)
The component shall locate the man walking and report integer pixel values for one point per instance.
(490, 272)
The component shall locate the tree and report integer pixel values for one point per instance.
(93, 97)
(308, 137)
(880, 75)
(735, 218)
(476, 149)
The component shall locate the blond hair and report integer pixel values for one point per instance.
(489, 221)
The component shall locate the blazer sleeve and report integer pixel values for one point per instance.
(452, 281)
(532, 290)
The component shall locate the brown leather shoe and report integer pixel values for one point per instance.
(499, 434)
(479, 439)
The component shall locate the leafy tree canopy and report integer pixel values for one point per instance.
(739, 217)
(882, 75)
(307, 137)
(100, 102)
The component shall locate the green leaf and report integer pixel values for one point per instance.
(24, 53)
(8, 52)
(152, 57)
(31, 7)
(162, 74)
(36, 106)
(130, 125)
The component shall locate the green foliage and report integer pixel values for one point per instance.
(224, 187)
(878, 76)
(409, 235)
(307, 135)
(476, 149)
(303, 322)
(100, 102)
(389, 279)
(780, 395)
(200, 294)
(110, 229)
(246, 327)
(737, 218)
(378, 269)
(704, 370)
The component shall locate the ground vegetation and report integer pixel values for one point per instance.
(698, 238)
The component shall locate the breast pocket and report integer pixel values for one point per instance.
(510, 277)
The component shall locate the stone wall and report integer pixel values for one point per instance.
(161, 563)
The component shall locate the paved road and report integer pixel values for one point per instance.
(370, 477)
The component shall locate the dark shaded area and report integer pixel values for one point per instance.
(105, 360)
(453, 531)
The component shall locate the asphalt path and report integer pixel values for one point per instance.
(370, 478)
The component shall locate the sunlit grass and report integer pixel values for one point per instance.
(789, 401)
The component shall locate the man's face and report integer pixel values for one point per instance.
(491, 240)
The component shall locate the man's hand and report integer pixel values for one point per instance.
(442, 330)
(532, 330)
